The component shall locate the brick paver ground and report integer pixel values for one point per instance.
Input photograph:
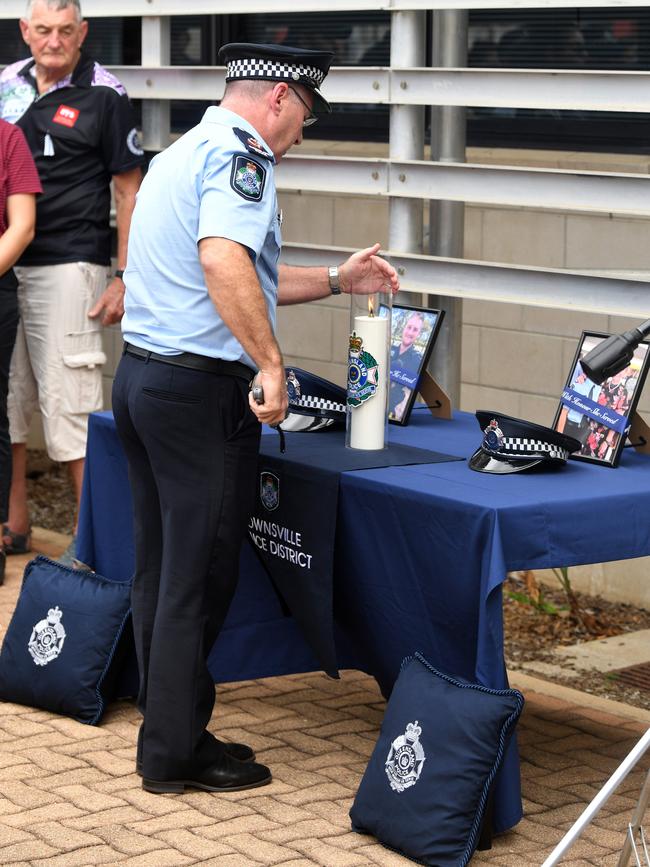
(69, 794)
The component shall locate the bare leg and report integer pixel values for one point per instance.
(76, 469)
(18, 519)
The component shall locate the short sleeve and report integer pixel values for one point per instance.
(237, 198)
(119, 137)
(22, 176)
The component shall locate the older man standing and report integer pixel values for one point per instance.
(80, 128)
(203, 280)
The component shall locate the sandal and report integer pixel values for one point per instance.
(16, 543)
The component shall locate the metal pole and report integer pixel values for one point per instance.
(636, 823)
(447, 219)
(156, 51)
(406, 140)
(588, 814)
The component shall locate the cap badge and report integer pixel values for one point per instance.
(493, 436)
(293, 387)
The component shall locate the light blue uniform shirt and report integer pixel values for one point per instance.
(209, 183)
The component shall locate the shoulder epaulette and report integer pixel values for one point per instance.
(251, 143)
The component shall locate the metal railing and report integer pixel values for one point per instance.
(401, 179)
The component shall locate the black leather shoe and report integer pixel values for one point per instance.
(241, 752)
(228, 776)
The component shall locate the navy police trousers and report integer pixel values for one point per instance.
(191, 443)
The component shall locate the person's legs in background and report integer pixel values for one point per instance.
(56, 366)
(8, 328)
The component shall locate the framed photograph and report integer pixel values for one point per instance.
(599, 416)
(413, 333)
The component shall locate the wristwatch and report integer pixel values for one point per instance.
(119, 273)
(333, 276)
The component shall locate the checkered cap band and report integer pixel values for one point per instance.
(522, 447)
(308, 402)
(271, 69)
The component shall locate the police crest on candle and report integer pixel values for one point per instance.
(368, 371)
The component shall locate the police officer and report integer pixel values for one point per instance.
(202, 284)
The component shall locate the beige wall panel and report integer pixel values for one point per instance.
(492, 314)
(35, 439)
(308, 218)
(340, 335)
(564, 323)
(473, 397)
(619, 581)
(533, 365)
(607, 242)
(540, 410)
(523, 237)
(107, 388)
(305, 331)
(473, 232)
(112, 343)
(360, 222)
(470, 357)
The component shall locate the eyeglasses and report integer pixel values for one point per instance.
(311, 118)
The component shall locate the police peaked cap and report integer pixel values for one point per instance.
(248, 60)
(314, 403)
(511, 445)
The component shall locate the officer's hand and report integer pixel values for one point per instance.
(276, 401)
(111, 303)
(365, 273)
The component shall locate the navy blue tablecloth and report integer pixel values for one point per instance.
(421, 553)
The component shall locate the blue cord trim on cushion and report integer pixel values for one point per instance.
(514, 716)
(100, 697)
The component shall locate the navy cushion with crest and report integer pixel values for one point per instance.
(61, 648)
(425, 790)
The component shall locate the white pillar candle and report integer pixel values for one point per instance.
(368, 420)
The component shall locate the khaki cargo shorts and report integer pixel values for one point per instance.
(57, 360)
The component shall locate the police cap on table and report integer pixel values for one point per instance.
(512, 445)
(314, 403)
(248, 60)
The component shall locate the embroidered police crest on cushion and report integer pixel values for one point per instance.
(48, 635)
(247, 177)
(405, 759)
(63, 647)
(427, 786)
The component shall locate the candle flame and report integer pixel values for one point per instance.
(371, 309)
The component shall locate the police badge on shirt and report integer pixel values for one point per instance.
(247, 177)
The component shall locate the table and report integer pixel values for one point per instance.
(421, 553)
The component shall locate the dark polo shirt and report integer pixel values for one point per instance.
(80, 134)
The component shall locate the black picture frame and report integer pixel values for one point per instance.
(404, 377)
(615, 402)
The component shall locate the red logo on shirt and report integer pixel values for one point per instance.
(66, 115)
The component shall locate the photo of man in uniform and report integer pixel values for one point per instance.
(406, 359)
